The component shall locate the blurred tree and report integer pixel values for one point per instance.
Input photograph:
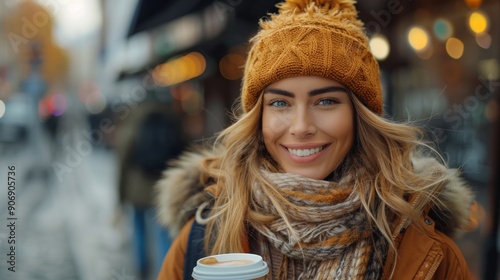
(31, 24)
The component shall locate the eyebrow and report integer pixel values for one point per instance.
(311, 93)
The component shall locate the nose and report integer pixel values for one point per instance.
(303, 124)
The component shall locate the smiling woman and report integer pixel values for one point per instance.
(311, 176)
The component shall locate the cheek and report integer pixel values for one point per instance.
(340, 128)
(273, 125)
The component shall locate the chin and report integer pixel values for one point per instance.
(312, 175)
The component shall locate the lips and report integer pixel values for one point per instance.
(305, 152)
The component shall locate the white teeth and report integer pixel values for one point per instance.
(304, 152)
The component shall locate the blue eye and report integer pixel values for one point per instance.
(328, 102)
(278, 103)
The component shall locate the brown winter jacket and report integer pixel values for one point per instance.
(423, 253)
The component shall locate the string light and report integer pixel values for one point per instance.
(454, 48)
(473, 4)
(179, 69)
(443, 29)
(379, 45)
(483, 40)
(478, 22)
(418, 38)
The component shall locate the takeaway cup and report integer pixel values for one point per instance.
(234, 266)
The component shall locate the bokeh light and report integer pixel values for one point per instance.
(54, 104)
(60, 104)
(380, 47)
(454, 48)
(426, 53)
(489, 69)
(483, 40)
(418, 38)
(473, 4)
(478, 22)
(179, 69)
(96, 107)
(182, 91)
(443, 29)
(89, 92)
(43, 109)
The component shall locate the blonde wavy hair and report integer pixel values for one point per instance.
(382, 147)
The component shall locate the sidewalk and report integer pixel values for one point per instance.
(64, 228)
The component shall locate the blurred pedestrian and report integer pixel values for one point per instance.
(311, 176)
(149, 137)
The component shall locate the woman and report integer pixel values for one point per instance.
(310, 176)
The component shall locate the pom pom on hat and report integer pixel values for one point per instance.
(299, 6)
(313, 38)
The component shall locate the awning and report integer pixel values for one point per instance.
(153, 13)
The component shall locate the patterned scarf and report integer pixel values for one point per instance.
(331, 233)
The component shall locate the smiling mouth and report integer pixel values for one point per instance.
(305, 152)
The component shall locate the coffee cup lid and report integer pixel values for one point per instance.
(256, 269)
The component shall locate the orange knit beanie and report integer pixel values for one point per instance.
(313, 38)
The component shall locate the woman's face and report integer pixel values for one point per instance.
(307, 124)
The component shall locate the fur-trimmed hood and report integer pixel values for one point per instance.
(453, 215)
(181, 190)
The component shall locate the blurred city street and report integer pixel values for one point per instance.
(67, 227)
(88, 86)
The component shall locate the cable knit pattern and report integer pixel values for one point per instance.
(330, 229)
(313, 38)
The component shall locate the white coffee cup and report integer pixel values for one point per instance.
(232, 266)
